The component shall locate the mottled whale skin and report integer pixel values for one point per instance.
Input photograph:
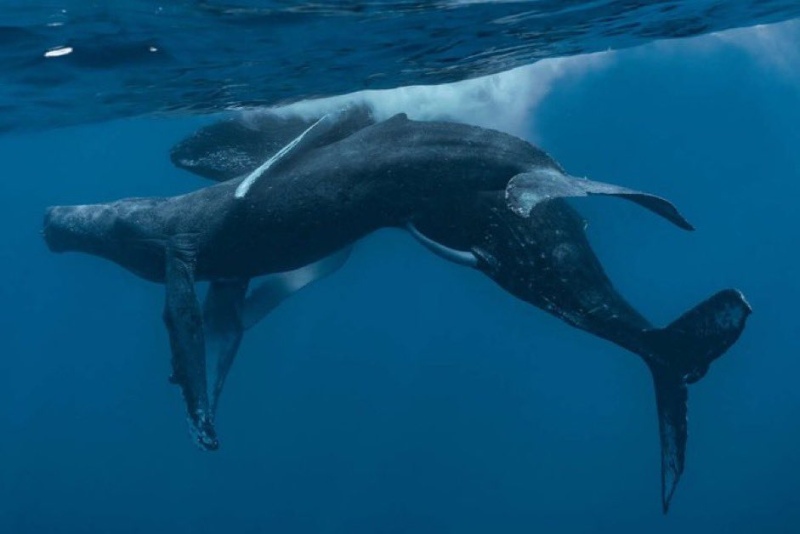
(303, 211)
(476, 196)
(375, 178)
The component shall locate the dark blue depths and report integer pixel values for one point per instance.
(406, 395)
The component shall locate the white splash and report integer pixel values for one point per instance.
(508, 101)
(504, 101)
(774, 46)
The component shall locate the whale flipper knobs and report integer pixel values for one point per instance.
(526, 190)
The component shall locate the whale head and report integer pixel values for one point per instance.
(126, 232)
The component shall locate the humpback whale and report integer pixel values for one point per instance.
(474, 196)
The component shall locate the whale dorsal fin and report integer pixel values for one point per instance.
(299, 145)
(526, 190)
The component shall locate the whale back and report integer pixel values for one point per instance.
(236, 146)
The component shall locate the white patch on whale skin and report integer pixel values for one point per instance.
(244, 187)
(459, 257)
(301, 142)
(274, 288)
(731, 316)
(522, 199)
(224, 157)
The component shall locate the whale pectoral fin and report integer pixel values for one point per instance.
(185, 327)
(274, 288)
(461, 257)
(526, 190)
(222, 319)
(299, 145)
(228, 310)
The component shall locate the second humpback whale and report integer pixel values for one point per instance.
(475, 196)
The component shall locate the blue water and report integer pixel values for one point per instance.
(129, 58)
(407, 395)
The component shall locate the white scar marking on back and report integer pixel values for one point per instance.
(308, 136)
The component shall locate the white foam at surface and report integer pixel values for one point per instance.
(502, 101)
(508, 101)
(774, 46)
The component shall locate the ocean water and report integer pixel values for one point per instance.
(74, 61)
(404, 394)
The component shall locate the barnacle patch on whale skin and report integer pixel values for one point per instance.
(525, 191)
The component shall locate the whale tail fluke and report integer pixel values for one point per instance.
(679, 355)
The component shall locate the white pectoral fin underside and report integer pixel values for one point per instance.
(299, 145)
(461, 257)
(273, 289)
(526, 190)
(222, 319)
